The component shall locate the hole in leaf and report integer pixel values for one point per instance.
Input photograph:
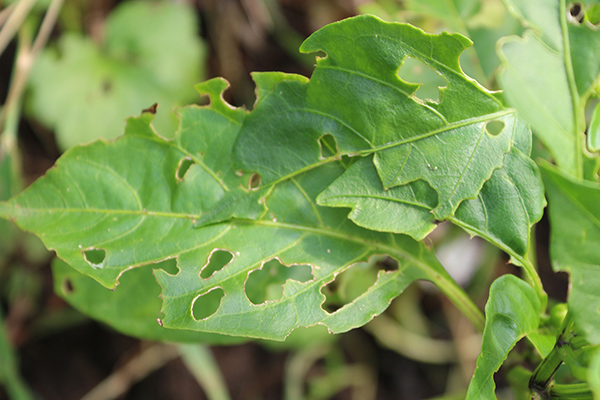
(95, 257)
(183, 167)
(67, 287)
(355, 281)
(415, 71)
(169, 266)
(266, 283)
(494, 128)
(576, 13)
(254, 182)
(207, 304)
(328, 146)
(216, 261)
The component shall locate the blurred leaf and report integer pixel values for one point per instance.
(133, 308)
(549, 74)
(150, 53)
(512, 311)
(575, 244)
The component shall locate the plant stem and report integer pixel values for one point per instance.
(578, 116)
(575, 391)
(202, 365)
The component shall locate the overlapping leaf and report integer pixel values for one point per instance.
(106, 212)
(358, 98)
(549, 74)
(575, 244)
(503, 212)
(512, 311)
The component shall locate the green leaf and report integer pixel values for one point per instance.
(130, 211)
(575, 244)
(549, 74)
(512, 311)
(106, 212)
(133, 308)
(358, 99)
(509, 203)
(150, 53)
(295, 231)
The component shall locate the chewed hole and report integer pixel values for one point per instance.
(67, 287)
(355, 281)
(328, 146)
(494, 127)
(169, 266)
(94, 257)
(415, 71)
(183, 167)
(266, 283)
(576, 13)
(216, 261)
(254, 182)
(207, 304)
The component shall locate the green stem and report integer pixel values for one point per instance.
(575, 391)
(577, 109)
(202, 365)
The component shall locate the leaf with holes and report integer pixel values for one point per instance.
(150, 53)
(281, 263)
(358, 99)
(106, 212)
(575, 244)
(512, 311)
(549, 74)
(109, 207)
(509, 203)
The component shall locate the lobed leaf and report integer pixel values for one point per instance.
(575, 244)
(512, 311)
(358, 99)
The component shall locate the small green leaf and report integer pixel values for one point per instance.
(512, 311)
(575, 244)
(358, 98)
(150, 54)
(401, 209)
(133, 308)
